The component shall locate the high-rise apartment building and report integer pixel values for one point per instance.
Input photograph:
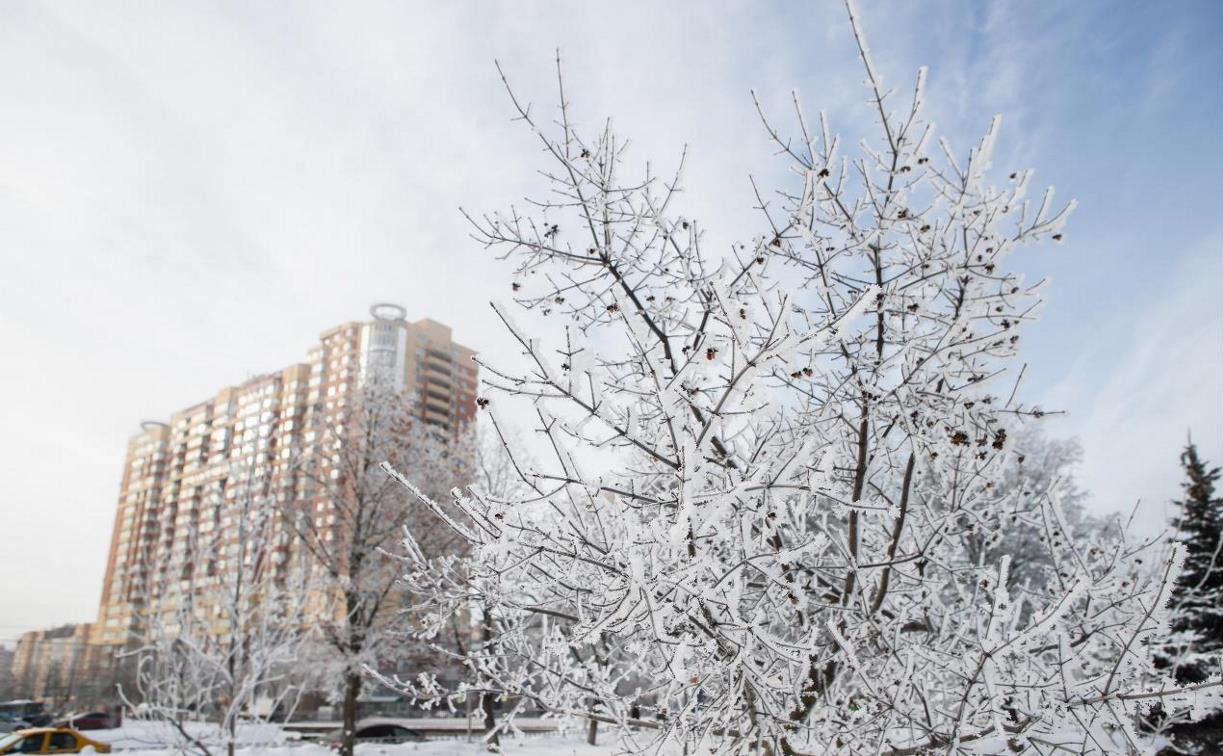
(182, 479)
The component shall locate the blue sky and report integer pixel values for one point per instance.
(189, 193)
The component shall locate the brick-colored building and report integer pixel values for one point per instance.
(51, 665)
(177, 487)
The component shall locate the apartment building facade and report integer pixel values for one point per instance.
(183, 479)
(50, 665)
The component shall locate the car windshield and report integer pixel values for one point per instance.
(9, 739)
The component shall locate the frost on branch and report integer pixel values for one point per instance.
(220, 644)
(802, 448)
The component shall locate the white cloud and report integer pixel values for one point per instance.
(1134, 408)
(191, 193)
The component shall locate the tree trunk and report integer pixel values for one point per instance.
(352, 689)
(231, 717)
(486, 700)
(490, 722)
(592, 731)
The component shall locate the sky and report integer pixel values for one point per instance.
(191, 192)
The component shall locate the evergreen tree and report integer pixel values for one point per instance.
(1197, 620)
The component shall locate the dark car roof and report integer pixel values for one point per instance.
(365, 725)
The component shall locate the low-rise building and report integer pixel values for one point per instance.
(52, 665)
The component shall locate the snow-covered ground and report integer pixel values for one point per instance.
(152, 739)
(560, 745)
(156, 736)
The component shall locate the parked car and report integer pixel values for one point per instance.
(375, 731)
(49, 740)
(93, 720)
(33, 713)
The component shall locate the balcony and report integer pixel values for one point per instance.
(442, 379)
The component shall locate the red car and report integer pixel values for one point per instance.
(93, 720)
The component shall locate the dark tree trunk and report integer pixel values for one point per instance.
(352, 689)
(592, 731)
(490, 722)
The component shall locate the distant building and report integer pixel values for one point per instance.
(7, 689)
(52, 665)
(176, 482)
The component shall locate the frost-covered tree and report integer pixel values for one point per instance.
(353, 521)
(1197, 617)
(218, 644)
(1039, 467)
(776, 475)
(456, 610)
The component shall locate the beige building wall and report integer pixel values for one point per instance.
(50, 665)
(183, 479)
